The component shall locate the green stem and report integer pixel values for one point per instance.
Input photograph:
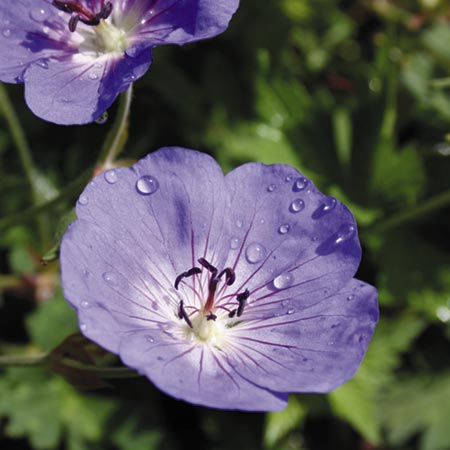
(117, 136)
(439, 201)
(24, 152)
(102, 372)
(30, 360)
(71, 189)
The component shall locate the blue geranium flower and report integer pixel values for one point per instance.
(76, 56)
(225, 291)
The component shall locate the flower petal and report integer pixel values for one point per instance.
(129, 245)
(289, 241)
(77, 90)
(30, 33)
(314, 349)
(180, 21)
(195, 373)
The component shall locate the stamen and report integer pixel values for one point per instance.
(73, 22)
(182, 314)
(230, 276)
(242, 299)
(208, 266)
(82, 14)
(188, 273)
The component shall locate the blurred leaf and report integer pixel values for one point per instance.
(419, 404)
(357, 401)
(279, 424)
(44, 409)
(52, 322)
(398, 175)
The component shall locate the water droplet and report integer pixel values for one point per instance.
(284, 229)
(234, 243)
(83, 327)
(147, 185)
(93, 76)
(85, 304)
(6, 32)
(345, 232)
(271, 187)
(239, 223)
(283, 281)
(290, 311)
(288, 178)
(39, 14)
(46, 30)
(86, 273)
(330, 342)
(327, 205)
(255, 253)
(314, 238)
(335, 325)
(350, 297)
(297, 205)
(110, 176)
(42, 63)
(149, 338)
(83, 200)
(129, 78)
(64, 100)
(300, 184)
(110, 278)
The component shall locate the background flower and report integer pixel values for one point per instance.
(72, 77)
(304, 323)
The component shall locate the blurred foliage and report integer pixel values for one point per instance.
(356, 94)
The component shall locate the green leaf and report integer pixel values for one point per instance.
(279, 424)
(357, 401)
(44, 409)
(416, 404)
(51, 322)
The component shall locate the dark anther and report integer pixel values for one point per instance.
(81, 14)
(211, 316)
(182, 314)
(73, 22)
(188, 273)
(208, 266)
(230, 276)
(242, 298)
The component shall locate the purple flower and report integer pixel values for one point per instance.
(225, 291)
(76, 56)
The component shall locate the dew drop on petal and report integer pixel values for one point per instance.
(239, 223)
(85, 304)
(110, 176)
(83, 200)
(234, 243)
(284, 229)
(110, 278)
(288, 178)
(83, 327)
(300, 184)
(271, 187)
(102, 119)
(296, 205)
(314, 238)
(283, 281)
(42, 63)
(149, 338)
(93, 76)
(39, 14)
(345, 232)
(6, 32)
(255, 252)
(147, 185)
(290, 311)
(327, 205)
(350, 298)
